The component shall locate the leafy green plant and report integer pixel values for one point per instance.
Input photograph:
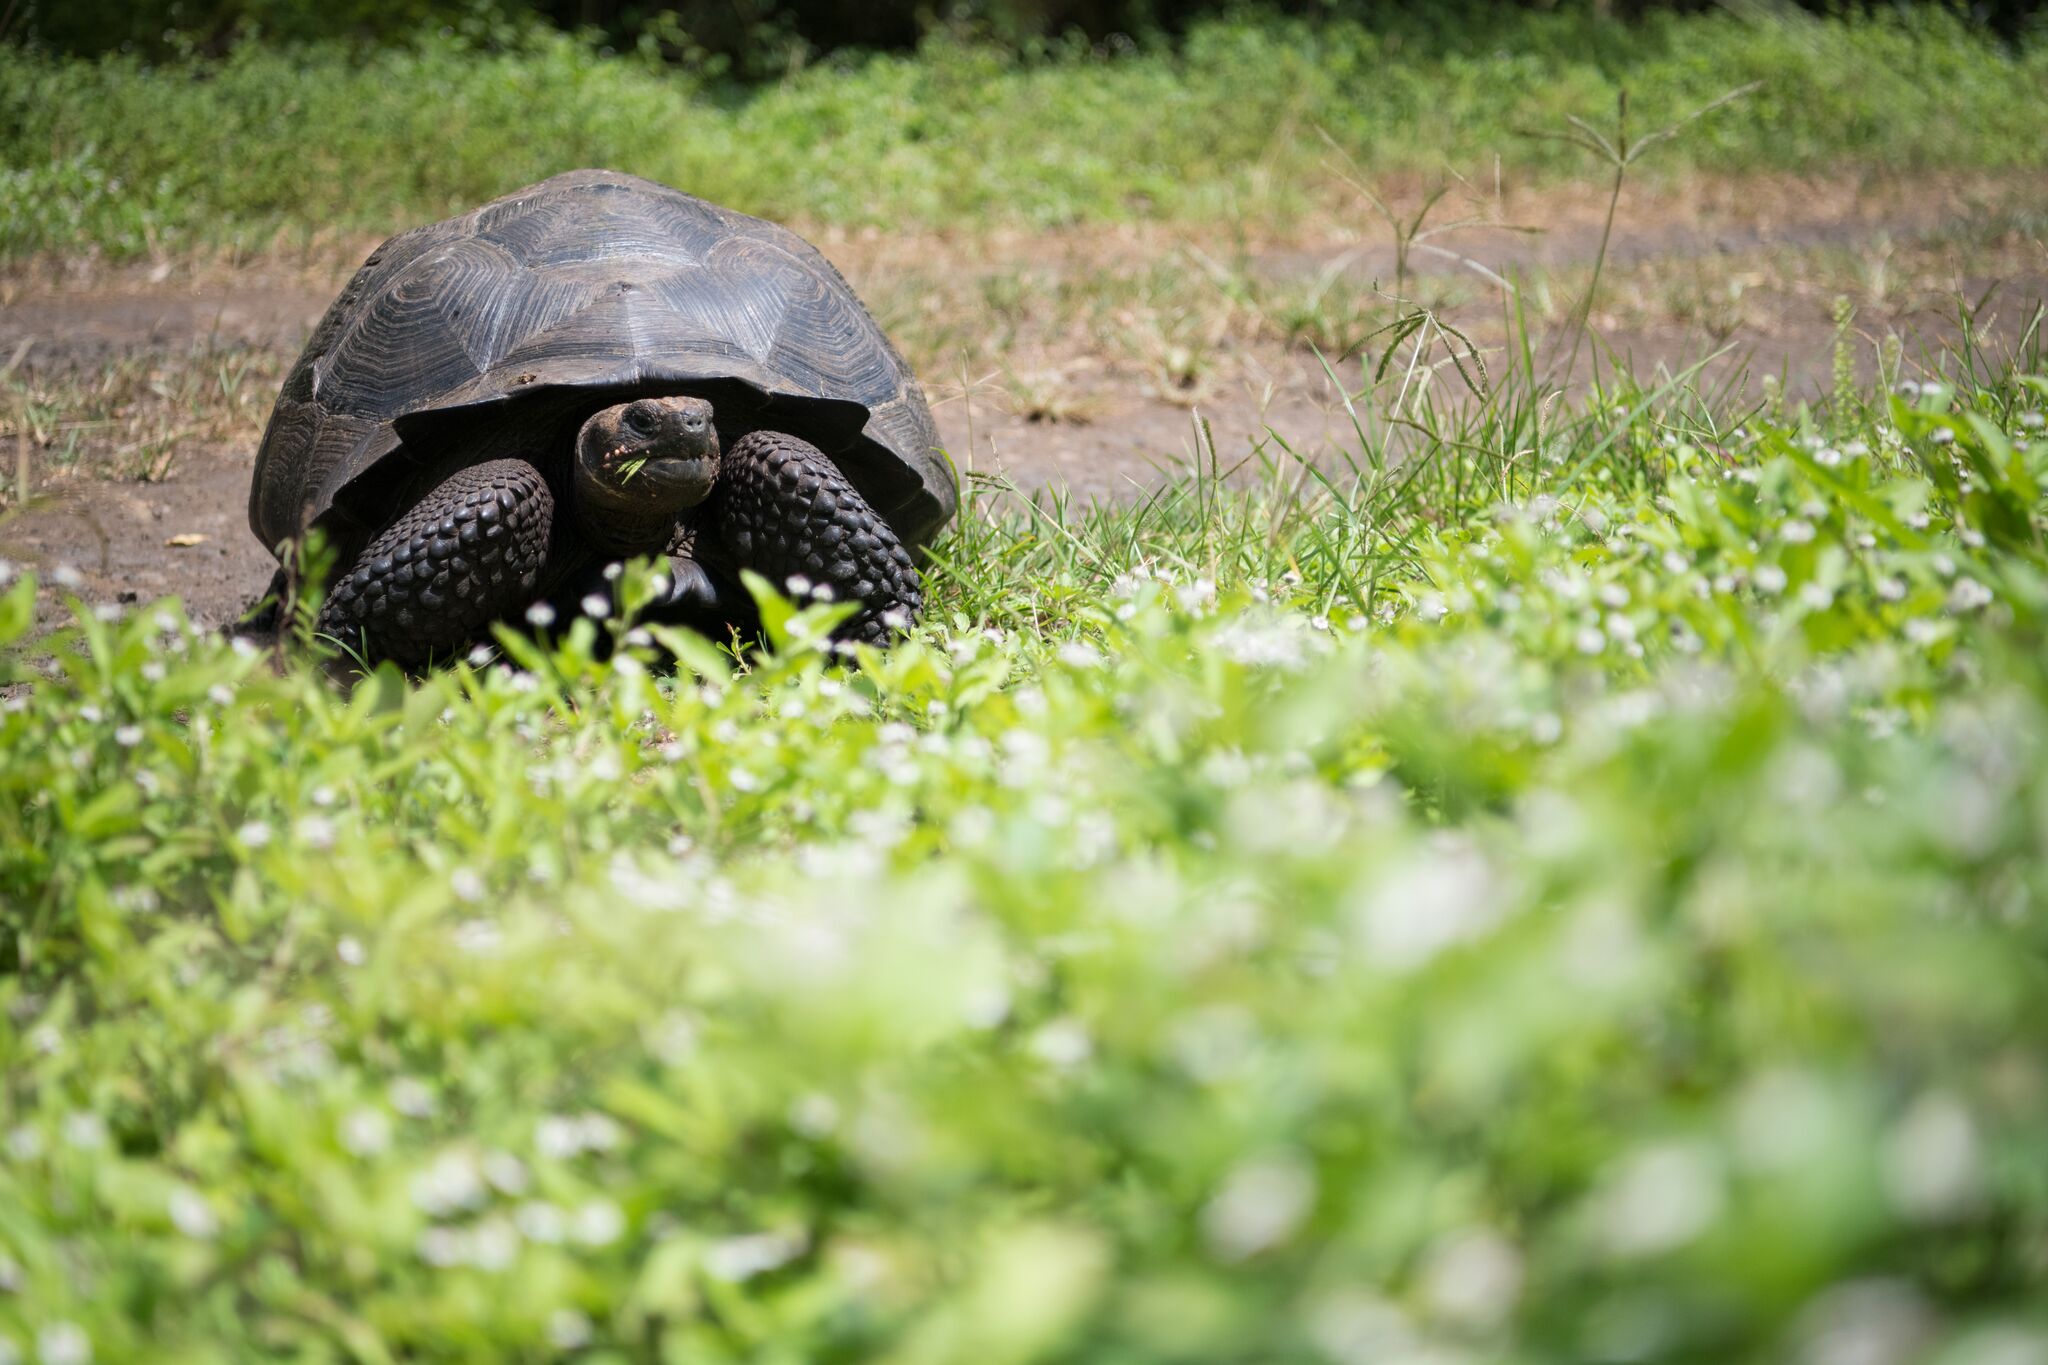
(1566, 897)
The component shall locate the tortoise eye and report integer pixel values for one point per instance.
(636, 423)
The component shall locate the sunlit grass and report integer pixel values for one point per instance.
(1560, 886)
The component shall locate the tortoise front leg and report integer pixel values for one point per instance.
(783, 509)
(468, 553)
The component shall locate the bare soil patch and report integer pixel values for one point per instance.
(1085, 361)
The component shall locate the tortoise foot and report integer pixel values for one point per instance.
(468, 553)
(785, 510)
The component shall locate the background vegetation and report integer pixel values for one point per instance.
(122, 155)
(757, 38)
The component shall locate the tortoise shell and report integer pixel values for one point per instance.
(581, 291)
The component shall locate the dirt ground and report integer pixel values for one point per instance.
(1079, 359)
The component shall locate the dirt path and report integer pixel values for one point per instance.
(1071, 394)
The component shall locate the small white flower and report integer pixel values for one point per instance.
(466, 884)
(254, 834)
(1891, 589)
(192, 1215)
(1827, 457)
(1078, 654)
(597, 1223)
(85, 1130)
(896, 618)
(814, 1115)
(451, 1182)
(1614, 595)
(799, 586)
(411, 1097)
(1815, 597)
(1261, 1204)
(480, 937)
(1942, 436)
(569, 1330)
(506, 1172)
(1659, 1198)
(612, 571)
(24, 1143)
(314, 831)
(64, 576)
(1968, 595)
(350, 951)
(128, 736)
(597, 605)
(540, 1222)
(540, 615)
(1796, 532)
(1589, 640)
(365, 1132)
(1062, 1043)
(1770, 578)
(480, 655)
(558, 1137)
(220, 694)
(736, 1259)
(442, 1247)
(64, 1343)
(154, 671)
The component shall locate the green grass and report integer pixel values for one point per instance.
(126, 158)
(1572, 893)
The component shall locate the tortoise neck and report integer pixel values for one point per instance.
(623, 534)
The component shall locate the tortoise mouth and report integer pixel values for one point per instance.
(680, 480)
(651, 454)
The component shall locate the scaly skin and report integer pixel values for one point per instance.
(784, 509)
(468, 553)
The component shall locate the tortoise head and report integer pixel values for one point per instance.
(649, 457)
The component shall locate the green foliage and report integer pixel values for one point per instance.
(1567, 893)
(119, 155)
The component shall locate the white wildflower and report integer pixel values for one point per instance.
(540, 1222)
(85, 1130)
(254, 834)
(1770, 578)
(569, 1330)
(597, 1223)
(1968, 595)
(350, 950)
(1472, 1278)
(1932, 1164)
(192, 1215)
(736, 1259)
(411, 1097)
(1063, 1043)
(1658, 1199)
(365, 1132)
(1262, 1202)
(540, 615)
(596, 606)
(450, 1183)
(64, 1343)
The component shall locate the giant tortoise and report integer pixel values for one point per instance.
(500, 405)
